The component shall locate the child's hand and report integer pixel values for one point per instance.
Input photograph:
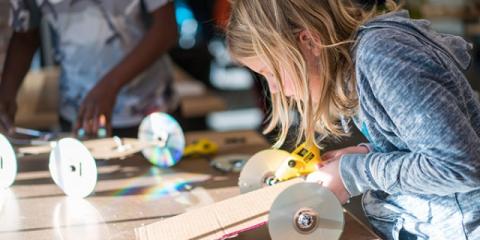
(96, 111)
(334, 154)
(328, 174)
(329, 177)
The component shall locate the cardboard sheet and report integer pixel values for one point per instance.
(104, 149)
(217, 221)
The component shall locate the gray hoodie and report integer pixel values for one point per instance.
(422, 120)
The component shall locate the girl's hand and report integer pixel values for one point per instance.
(329, 176)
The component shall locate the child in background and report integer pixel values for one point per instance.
(112, 56)
(403, 86)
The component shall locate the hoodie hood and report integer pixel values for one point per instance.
(454, 46)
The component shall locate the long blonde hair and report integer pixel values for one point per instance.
(269, 29)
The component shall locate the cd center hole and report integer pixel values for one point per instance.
(162, 138)
(270, 179)
(73, 168)
(305, 221)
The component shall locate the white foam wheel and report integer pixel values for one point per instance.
(73, 168)
(8, 163)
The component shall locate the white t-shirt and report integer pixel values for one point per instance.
(90, 38)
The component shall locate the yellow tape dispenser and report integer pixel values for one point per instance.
(201, 147)
(271, 166)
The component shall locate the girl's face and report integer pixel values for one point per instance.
(257, 65)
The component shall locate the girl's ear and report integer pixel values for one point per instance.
(309, 42)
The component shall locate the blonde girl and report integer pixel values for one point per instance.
(403, 86)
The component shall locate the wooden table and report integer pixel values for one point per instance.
(129, 194)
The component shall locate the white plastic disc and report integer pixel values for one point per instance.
(167, 139)
(306, 211)
(73, 168)
(259, 167)
(8, 163)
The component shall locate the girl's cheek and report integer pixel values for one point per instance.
(288, 84)
(272, 85)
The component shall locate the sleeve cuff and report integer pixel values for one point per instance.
(367, 145)
(355, 174)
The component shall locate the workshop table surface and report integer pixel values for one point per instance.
(129, 193)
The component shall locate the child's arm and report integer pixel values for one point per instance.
(422, 102)
(21, 48)
(22, 45)
(101, 99)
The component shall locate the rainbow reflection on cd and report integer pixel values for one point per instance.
(167, 135)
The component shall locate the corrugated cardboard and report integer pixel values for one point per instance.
(217, 221)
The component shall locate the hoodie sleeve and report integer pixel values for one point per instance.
(415, 94)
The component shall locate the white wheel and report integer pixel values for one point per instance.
(305, 211)
(73, 168)
(8, 163)
(259, 168)
(167, 139)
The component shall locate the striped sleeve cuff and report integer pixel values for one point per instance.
(355, 174)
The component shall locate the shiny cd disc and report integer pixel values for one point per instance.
(167, 139)
(305, 211)
(259, 168)
(230, 163)
(73, 168)
(8, 163)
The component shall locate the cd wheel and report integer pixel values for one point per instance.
(305, 211)
(73, 168)
(260, 168)
(8, 163)
(166, 138)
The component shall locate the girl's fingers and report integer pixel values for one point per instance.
(328, 155)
